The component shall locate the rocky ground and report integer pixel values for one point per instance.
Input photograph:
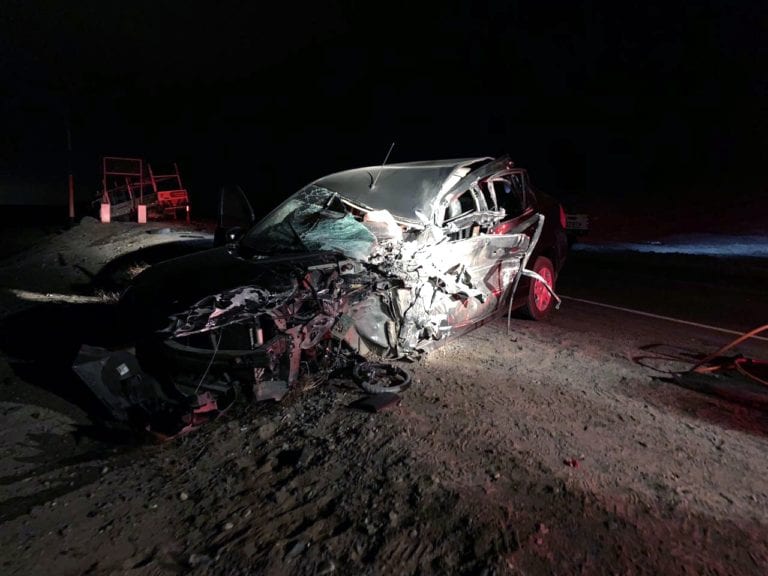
(559, 448)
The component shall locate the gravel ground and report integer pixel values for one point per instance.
(550, 450)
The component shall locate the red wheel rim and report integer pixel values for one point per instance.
(541, 296)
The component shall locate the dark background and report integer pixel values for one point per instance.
(620, 104)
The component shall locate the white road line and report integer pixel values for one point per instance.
(660, 317)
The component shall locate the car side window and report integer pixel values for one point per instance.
(460, 216)
(459, 206)
(510, 192)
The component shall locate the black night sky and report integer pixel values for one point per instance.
(622, 102)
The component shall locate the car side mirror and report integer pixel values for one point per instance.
(234, 234)
(231, 235)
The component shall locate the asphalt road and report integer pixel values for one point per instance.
(730, 293)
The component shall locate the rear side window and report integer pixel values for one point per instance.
(510, 194)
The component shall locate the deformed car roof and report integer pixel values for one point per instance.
(402, 189)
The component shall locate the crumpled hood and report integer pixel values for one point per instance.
(178, 283)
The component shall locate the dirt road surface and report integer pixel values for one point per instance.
(559, 448)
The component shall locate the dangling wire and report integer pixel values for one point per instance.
(213, 356)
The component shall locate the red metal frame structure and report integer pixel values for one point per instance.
(170, 194)
(123, 183)
(120, 178)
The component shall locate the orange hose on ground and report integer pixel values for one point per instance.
(700, 367)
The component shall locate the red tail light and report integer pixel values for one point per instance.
(563, 219)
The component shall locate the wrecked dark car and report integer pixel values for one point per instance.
(356, 269)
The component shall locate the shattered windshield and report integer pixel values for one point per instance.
(313, 219)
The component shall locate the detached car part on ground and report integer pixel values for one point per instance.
(355, 269)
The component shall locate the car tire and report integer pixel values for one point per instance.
(539, 303)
